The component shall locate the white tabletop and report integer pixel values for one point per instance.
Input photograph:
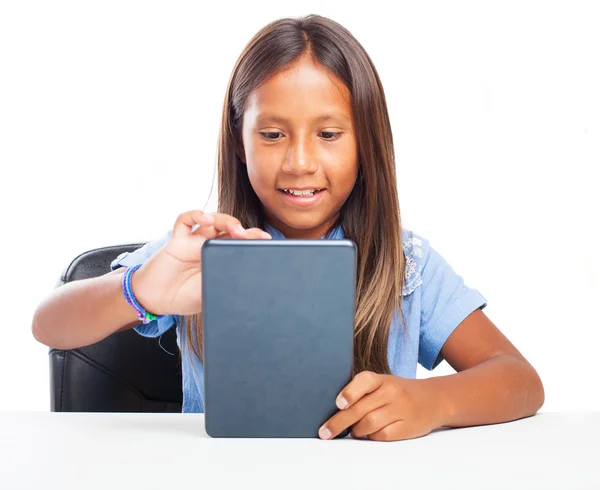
(45, 450)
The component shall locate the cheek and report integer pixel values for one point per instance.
(255, 162)
(349, 184)
(344, 177)
(260, 174)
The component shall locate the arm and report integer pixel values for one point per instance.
(86, 311)
(494, 382)
(83, 312)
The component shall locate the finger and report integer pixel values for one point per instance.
(258, 234)
(363, 383)
(224, 223)
(207, 231)
(395, 431)
(347, 418)
(251, 233)
(188, 221)
(374, 421)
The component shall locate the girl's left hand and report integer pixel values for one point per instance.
(385, 408)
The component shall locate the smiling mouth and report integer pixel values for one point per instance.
(302, 192)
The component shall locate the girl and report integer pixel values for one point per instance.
(306, 151)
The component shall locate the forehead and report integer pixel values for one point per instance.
(305, 89)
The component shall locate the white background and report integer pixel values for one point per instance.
(109, 115)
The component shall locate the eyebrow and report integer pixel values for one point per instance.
(323, 117)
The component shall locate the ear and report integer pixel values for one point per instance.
(239, 149)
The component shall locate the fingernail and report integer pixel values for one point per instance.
(267, 236)
(324, 433)
(341, 403)
(240, 228)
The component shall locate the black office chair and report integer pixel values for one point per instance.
(124, 372)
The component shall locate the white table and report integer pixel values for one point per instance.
(44, 450)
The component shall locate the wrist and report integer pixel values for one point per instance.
(442, 404)
(130, 283)
(137, 281)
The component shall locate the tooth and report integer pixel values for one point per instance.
(294, 192)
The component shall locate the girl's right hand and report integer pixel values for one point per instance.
(170, 281)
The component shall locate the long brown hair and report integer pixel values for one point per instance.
(370, 216)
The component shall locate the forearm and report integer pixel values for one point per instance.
(499, 389)
(83, 312)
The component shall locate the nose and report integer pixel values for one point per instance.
(300, 159)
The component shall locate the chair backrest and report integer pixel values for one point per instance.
(124, 372)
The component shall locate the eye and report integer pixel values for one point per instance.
(330, 136)
(268, 135)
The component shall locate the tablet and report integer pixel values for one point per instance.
(278, 329)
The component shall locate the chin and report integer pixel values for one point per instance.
(302, 221)
(303, 224)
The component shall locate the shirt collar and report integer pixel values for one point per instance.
(336, 234)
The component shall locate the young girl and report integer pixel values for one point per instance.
(306, 151)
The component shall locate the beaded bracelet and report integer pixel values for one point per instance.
(143, 315)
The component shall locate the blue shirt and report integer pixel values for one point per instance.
(435, 300)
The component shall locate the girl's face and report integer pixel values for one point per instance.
(298, 137)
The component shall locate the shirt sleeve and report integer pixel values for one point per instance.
(128, 259)
(445, 302)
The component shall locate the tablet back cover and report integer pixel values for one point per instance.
(278, 327)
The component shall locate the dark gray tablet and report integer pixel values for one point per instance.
(278, 328)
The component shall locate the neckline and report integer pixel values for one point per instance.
(335, 233)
